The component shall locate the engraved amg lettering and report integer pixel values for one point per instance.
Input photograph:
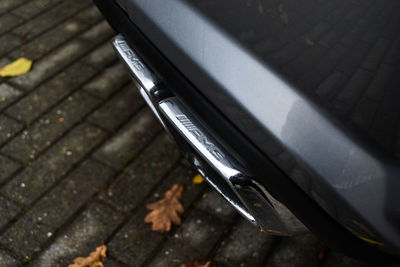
(200, 136)
(130, 55)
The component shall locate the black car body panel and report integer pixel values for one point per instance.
(312, 85)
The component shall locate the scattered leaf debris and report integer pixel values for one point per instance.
(283, 15)
(166, 211)
(321, 255)
(284, 18)
(198, 179)
(309, 42)
(199, 263)
(93, 260)
(260, 9)
(18, 67)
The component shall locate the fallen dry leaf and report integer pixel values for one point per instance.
(16, 68)
(284, 18)
(93, 260)
(198, 179)
(321, 255)
(199, 263)
(309, 42)
(260, 9)
(166, 211)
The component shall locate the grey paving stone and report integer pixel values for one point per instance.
(58, 35)
(8, 94)
(43, 173)
(8, 261)
(310, 79)
(381, 79)
(127, 143)
(355, 34)
(307, 59)
(353, 58)
(136, 181)
(331, 85)
(99, 33)
(48, 94)
(48, 19)
(332, 37)
(364, 113)
(37, 226)
(109, 80)
(288, 52)
(265, 47)
(393, 55)
(214, 204)
(8, 167)
(135, 242)
(8, 42)
(376, 55)
(194, 239)
(89, 230)
(351, 92)
(47, 66)
(63, 56)
(8, 21)
(8, 211)
(8, 128)
(318, 30)
(51, 126)
(245, 246)
(6, 5)
(296, 251)
(101, 56)
(329, 62)
(118, 109)
(33, 8)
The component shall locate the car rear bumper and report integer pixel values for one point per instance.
(278, 184)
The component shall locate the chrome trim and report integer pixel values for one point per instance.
(252, 202)
(138, 69)
(207, 155)
(205, 146)
(140, 72)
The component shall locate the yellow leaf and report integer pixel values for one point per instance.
(309, 42)
(198, 179)
(16, 68)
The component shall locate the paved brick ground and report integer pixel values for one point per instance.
(80, 155)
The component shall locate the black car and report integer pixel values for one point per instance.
(289, 109)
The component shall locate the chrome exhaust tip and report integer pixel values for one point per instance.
(220, 169)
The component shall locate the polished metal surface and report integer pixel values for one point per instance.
(253, 204)
(139, 71)
(312, 84)
(135, 65)
(220, 170)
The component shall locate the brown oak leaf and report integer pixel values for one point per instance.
(199, 263)
(166, 211)
(93, 260)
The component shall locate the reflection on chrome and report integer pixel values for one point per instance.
(220, 170)
(244, 193)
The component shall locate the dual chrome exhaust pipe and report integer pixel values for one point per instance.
(220, 169)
